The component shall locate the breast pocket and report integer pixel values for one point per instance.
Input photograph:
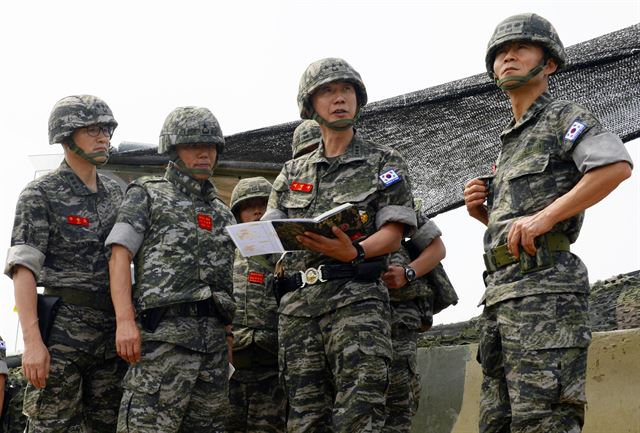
(531, 183)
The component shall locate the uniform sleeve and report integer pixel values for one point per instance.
(132, 221)
(275, 209)
(30, 236)
(396, 200)
(589, 144)
(426, 233)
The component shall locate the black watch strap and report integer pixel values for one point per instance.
(360, 256)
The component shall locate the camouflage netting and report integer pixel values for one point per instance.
(613, 304)
(449, 133)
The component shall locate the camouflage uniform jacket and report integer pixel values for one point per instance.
(60, 228)
(175, 227)
(353, 177)
(543, 157)
(256, 318)
(404, 305)
(4, 370)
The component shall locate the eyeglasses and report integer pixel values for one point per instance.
(95, 130)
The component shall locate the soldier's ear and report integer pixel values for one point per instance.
(550, 66)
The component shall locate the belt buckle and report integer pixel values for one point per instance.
(311, 276)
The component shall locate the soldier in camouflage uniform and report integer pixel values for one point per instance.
(556, 160)
(62, 220)
(411, 312)
(334, 331)
(256, 396)
(171, 326)
(306, 138)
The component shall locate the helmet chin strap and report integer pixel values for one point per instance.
(515, 81)
(191, 171)
(89, 157)
(336, 125)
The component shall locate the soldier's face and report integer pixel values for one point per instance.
(518, 58)
(335, 101)
(91, 143)
(253, 209)
(200, 156)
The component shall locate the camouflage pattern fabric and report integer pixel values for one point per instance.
(535, 167)
(403, 395)
(306, 138)
(59, 234)
(257, 406)
(174, 389)
(351, 345)
(189, 125)
(13, 420)
(74, 112)
(533, 352)
(539, 318)
(525, 27)
(183, 226)
(353, 177)
(60, 228)
(83, 389)
(318, 381)
(255, 393)
(185, 255)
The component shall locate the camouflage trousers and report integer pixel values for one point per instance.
(403, 395)
(533, 352)
(257, 406)
(335, 368)
(82, 393)
(174, 389)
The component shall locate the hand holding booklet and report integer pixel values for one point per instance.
(277, 236)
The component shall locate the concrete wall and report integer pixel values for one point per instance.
(451, 380)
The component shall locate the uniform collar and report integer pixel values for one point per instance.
(355, 151)
(538, 105)
(203, 190)
(77, 185)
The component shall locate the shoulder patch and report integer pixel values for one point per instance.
(574, 131)
(390, 177)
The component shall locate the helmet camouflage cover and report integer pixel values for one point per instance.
(78, 111)
(326, 71)
(190, 125)
(306, 137)
(251, 187)
(525, 27)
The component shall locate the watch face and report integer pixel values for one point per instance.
(410, 273)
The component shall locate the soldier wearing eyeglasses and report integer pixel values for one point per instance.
(62, 220)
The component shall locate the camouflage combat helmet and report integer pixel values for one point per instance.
(75, 112)
(251, 187)
(526, 27)
(79, 111)
(323, 72)
(190, 125)
(306, 138)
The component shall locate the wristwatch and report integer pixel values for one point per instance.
(409, 273)
(359, 258)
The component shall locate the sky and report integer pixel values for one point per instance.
(243, 60)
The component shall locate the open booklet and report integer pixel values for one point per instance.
(277, 236)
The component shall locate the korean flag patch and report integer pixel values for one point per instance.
(390, 177)
(574, 131)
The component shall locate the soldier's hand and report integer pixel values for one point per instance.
(36, 362)
(339, 248)
(394, 278)
(128, 341)
(475, 194)
(524, 231)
